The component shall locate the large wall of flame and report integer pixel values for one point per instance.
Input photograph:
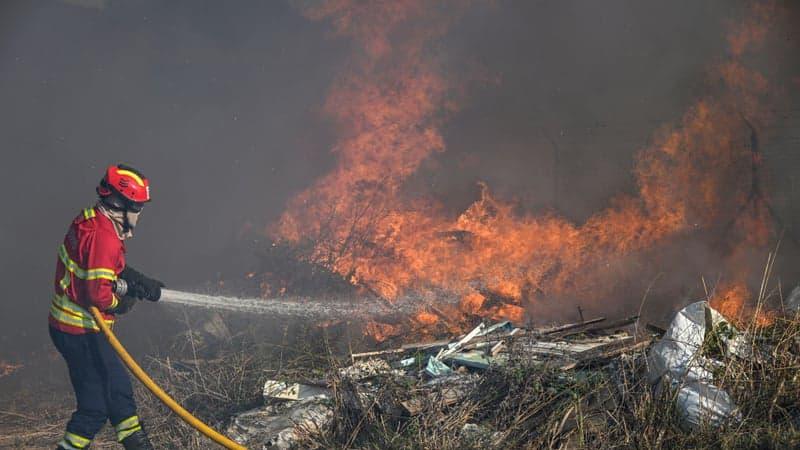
(389, 109)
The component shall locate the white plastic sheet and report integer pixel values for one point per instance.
(675, 362)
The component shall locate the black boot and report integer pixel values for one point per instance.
(137, 441)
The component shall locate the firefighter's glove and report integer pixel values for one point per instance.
(137, 291)
(125, 304)
(140, 285)
(152, 288)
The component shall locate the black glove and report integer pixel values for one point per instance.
(125, 304)
(136, 290)
(153, 289)
(140, 285)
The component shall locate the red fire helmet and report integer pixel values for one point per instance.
(127, 182)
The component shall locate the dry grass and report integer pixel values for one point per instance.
(522, 404)
(529, 405)
(215, 383)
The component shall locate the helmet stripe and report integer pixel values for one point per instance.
(133, 175)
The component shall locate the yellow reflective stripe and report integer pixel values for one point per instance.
(70, 313)
(127, 423)
(89, 213)
(123, 434)
(133, 175)
(114, 302)
(127, 427)
(64, 283)
(105, 274)
(67, 310)
(90, 274)
(63, 302)
(67, 319)
(75, 441)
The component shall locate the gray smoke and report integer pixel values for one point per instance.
(218, 103)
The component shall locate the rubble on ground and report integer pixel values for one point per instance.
(566, 386)
(280, 425)
(440, 373)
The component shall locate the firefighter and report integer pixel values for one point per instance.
(91, 271)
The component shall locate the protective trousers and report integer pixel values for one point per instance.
(102, 388)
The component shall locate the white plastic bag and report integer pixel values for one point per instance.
(675, 362)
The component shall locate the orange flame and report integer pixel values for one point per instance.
(426, 318)
(388, 111)
(735, 301)
(382, 331)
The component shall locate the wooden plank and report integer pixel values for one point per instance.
(621, 323)
(607, 355)
(565, 327)
(377, 353)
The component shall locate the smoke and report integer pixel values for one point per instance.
(389, 111)
(232, 109)
(214, 105)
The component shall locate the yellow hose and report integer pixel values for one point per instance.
(157, 391)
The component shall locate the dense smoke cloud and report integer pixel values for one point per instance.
(223, 106)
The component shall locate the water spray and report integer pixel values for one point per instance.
(291, 306)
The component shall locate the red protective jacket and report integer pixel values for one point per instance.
(89, 261)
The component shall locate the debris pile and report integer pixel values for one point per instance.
(400, 383)
(591, 384)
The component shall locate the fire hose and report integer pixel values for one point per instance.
(148, 382)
